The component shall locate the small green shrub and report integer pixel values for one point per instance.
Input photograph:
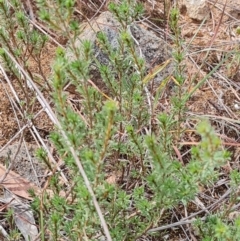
(114, 132)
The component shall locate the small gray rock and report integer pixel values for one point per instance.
(197, 9)
(23, 164)
(154, 50)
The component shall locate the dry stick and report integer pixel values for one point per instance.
(45, 31)
(32, 165)
(210, 45)
(9, 83)
(197, 86)
(14, 137)
(27, 152)
(12, 160)
(174, 225)
(53, 117)
(39, 26)
(193, 238)
(219, 117)
(148, 95)
(218, 75)
(219, 99)
(50, 154)
(13, 107)
(181, 226)
(215, 5)
(37, 137)
(219, 23)
(189, 143)
(186, 220)
(31, 126)
(4, 233)
(30, 9)
(28, 125)
(99, 9)
(230, 83)
(158, 30)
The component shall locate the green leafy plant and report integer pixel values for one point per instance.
(111, 133)
(130, 211)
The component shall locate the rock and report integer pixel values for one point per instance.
(154, 50)
(196, 9)
(23, 164)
